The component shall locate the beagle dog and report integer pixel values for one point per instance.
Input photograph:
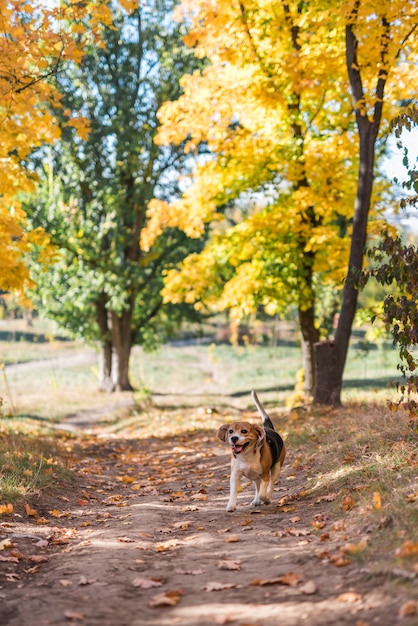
(258, 453)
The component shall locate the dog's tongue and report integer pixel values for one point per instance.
(237, 449)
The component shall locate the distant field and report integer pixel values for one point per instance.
(63, 378)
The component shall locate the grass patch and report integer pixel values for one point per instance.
(363, 460)
(29, 464)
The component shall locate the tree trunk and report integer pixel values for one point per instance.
(310, 335)
(105, 355)
(330, 358)
(122, 345)
(328, 384)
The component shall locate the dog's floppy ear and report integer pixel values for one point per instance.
(222, 431)
(261, 435)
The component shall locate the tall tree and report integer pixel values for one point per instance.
(99, 180)
(37, 39)
(273, 106)
(376, 38)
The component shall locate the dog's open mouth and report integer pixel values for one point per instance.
(236, 449)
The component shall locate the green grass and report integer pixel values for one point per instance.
(29, 464)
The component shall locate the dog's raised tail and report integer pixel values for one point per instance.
(267, 423)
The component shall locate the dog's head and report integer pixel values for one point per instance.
(242, 436)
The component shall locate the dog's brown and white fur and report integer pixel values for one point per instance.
(258, 453)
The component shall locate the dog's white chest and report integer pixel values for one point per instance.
(250, 467)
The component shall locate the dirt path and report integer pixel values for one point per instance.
(143, 539)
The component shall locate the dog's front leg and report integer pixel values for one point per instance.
(265, 491)
(234, 486)
(257, 500)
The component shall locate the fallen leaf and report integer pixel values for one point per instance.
(409, 548)
(17, 554)
(190, 572)
(8, 559)
(229, 564)
(308, 588)
(348, 503)
(328, 498)
(290, 579)
(126, 479)
(55, 513)
(166, 545)
(349, 596)
(30, 512)
(215, 586)
(298, 532)
(232, 539)
(409, 608)
(42, 521)
(126, 540)
(86, 581)
(38, 558)
(354, 548)
(170, 598)
(74, 616)
(318, 524)
(6, 509)
(65, 582)
(182, 525)
(6, 543)
(147, 583)
(377, 500)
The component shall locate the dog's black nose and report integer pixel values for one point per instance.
(234, 439)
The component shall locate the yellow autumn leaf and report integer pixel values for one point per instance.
(409, 548)
(126, 479)
(6, 509)
(354, 548)
(30, 512)
(377, 500)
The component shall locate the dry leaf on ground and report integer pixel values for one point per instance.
(409, 608)
(308, 588)
(147, 583)
(349, 596)
(215, 586)
(74, 616)
(229, 564)
(170, 598)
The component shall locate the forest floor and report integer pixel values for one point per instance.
(140, 535)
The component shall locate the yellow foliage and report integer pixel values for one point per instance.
(273, 105)
(37, 36)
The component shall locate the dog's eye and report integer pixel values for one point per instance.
(230, 431)
(244, 432)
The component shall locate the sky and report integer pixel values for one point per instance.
(394, 168)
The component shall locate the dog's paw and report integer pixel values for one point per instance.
(256, 502)
(231, 508)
